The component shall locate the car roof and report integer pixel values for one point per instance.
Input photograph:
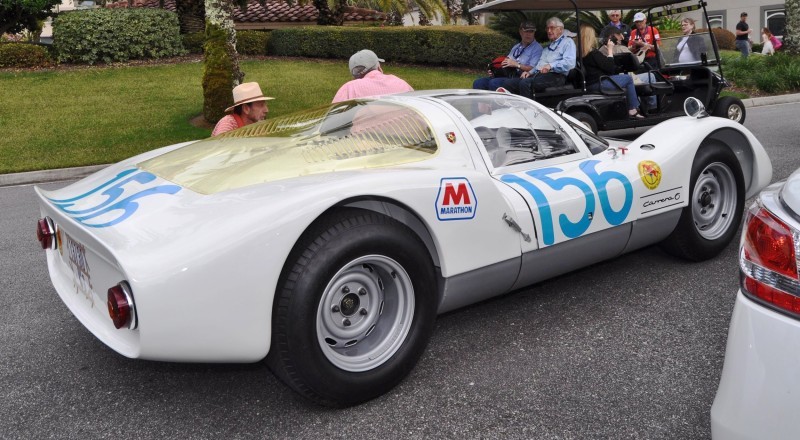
(556, 5)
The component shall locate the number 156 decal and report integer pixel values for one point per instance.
(597, 191)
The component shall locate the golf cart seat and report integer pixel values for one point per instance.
(627, 62)
(575, 85)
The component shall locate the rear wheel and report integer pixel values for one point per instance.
(586, 119)
(730, 108)
(711, 219)
(355, 309)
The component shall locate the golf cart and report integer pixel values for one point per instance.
(668, 85)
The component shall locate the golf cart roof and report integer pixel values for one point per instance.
(558, 5)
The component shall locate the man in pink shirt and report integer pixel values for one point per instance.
(249, 105)
(369, 80)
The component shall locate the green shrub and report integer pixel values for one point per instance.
(23, 55)
(193, 42)
(252, 42)
(470, 46)
(112, 35)
(725, 38)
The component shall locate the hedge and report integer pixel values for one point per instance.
(113, 35)
(23, 55)
(252, 42)
(469, 46)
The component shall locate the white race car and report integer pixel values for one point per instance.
(327, 241)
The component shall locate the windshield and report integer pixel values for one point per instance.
(513, 130)
(687, 50)
(344, 136)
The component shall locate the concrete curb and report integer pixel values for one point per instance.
(79, 172)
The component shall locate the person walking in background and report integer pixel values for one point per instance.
(551, 71)
(691, 46)
(743, 32)
(369, 79)
(249, 106)
(616, 25)
(771, 42)
(644, 38)
(523, 56)
(599, 65)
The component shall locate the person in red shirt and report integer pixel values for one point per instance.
(645, 38)
(249, 105)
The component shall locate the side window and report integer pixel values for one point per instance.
(513, 130)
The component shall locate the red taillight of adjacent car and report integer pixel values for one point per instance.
(121, 308)
(768, 260)
(46, 233)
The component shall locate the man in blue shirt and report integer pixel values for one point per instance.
(523, 56)
(556, 61)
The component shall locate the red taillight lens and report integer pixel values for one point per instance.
(768, 243)
(768, 261)
(45, 233)
(120, 306)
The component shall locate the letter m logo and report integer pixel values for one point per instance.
(458, 194)
(456, 199)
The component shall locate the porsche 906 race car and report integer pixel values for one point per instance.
(327, 241)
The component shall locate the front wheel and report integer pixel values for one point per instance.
(730, 108)
(711, 219)
(355, 309)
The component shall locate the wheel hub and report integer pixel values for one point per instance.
(365, 313)
(714, 200)
(349, 304)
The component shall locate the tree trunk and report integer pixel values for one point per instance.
(221, 61)
(791, 36)
(191, 15)
(423, 19)
(325, 17)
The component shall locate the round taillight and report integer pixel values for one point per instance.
(45, 233)
(120, 306)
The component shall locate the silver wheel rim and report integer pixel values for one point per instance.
(734, 112)
(365, 313)
(714, 201)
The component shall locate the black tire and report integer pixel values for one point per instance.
(730, 108)
(320, 309)
(586, 119)
(711, 220)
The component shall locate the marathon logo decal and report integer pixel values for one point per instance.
(456, 199)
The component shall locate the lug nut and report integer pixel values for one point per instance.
(363, 312)
(335, 309)
(345, 289)
(362, 291)
(346, 322)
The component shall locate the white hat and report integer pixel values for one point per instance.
(366, 59)
(639, 17)
(247, 92)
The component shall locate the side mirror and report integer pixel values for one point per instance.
(694, 108)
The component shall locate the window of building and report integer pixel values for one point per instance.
(774, 17)
(717, 19)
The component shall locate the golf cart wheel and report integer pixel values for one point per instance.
(730, 108)
(586, 119)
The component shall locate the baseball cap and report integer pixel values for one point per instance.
(365, 59)
(527, 26)
(639, 17)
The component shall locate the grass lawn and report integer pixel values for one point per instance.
(102, 115)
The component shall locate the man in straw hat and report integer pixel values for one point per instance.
(249, 105)
(369, 79)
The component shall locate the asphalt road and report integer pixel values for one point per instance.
(631, 348)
